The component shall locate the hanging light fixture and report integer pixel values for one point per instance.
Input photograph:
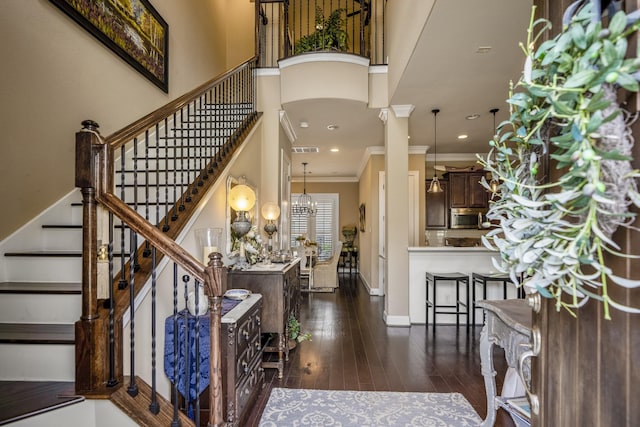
(435, 184)
(494, 185)
(304, 205)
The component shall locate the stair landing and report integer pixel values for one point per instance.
(23, 399)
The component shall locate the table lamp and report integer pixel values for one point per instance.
(270, 212)
(241, 199)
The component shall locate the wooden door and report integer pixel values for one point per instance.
(588, 369)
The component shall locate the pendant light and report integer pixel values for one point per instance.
(435, 184)
(494, 185)
(304, 205)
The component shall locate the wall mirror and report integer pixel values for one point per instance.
(231, 214)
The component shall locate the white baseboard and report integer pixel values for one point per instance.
(402, 321)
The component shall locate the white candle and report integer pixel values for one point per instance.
(206, 251)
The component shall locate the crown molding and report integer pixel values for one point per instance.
(379, 69)
(454, 157)
(287, 126)
(261, 72)
(384, 115)
(402, 111)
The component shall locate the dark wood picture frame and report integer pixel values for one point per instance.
(132, 29)
(363, 219)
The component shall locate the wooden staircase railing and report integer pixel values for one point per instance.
(139, 188)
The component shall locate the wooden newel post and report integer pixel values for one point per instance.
(214, 286)
(88, 330)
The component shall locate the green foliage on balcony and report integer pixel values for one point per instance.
(329, 34)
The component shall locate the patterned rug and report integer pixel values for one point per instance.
(319, 408)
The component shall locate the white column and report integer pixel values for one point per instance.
(397, 211)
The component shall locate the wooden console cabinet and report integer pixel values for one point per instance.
(242, 372)
(280, 289)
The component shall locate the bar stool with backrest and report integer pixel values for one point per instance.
(483, 279)
(460, 308)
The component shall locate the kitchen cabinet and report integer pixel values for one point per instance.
(437, 207)
(466, 190)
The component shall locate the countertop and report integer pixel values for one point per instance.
(449, 249)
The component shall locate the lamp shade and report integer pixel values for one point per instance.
(270, 211)
(242, 198)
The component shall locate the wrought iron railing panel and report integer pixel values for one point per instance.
(294, 27)
(148, 178)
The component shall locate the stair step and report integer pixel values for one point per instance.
(36, 333)
(23, 399)
(47, 254)
(40, 288)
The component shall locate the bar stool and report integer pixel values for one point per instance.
(484, 278)
(459, 278)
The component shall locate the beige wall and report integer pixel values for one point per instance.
(417, 163)
(54, 74)
(348, 193)
(404, 21)
(369, 243)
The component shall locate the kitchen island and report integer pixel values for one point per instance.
(448, 259)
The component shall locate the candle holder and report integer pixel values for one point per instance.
(209, 241)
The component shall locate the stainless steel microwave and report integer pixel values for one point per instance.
(467, 217)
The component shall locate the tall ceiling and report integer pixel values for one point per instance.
(451, 69)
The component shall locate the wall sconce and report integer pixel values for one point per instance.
(270, 212)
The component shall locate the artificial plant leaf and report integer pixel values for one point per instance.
(617, 24)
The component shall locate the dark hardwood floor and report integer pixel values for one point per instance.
(352, 349)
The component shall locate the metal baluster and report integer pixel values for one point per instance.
(176, 421)
(166, 226)
(201, 144)
(134, 248)
(182, 184)
(197, 350)
(122, 283)
(210, 133)
(158, 139)
(176, 203)
(187, 348)
(112, 343)
(190, 150)
(216, 125)
(154, 406)
(146, 251)
(133, 388)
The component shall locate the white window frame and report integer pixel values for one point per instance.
(320, 198)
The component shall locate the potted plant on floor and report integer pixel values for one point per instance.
(295, 334)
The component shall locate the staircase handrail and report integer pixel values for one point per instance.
(95, 176)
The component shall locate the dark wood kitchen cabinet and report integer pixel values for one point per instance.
(466, 190)
(437, 206)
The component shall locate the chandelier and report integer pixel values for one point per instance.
(435, 186)
(304, 205)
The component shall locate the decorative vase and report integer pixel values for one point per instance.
(203, 302)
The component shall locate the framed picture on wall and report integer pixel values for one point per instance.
(134, 30)
(363, 219)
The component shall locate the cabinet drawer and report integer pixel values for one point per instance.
(245, 359)
(247, 335)
(248, 389)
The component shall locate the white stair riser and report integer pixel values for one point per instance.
(44, 269)
(37, 362)
(40, 308)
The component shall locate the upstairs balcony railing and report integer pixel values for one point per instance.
(294, 27)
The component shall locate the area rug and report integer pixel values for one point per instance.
(295, 407)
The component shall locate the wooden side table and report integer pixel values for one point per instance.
(507, 324)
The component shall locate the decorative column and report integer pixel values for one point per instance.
(397, 211)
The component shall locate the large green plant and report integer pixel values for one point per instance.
(329, 33)
(554, 235)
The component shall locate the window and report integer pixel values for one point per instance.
(321, 228)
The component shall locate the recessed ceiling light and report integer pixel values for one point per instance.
(463, 136)
(332, 127)
(483, 49)
(334, 150)
(472, 116)
(304, 124)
